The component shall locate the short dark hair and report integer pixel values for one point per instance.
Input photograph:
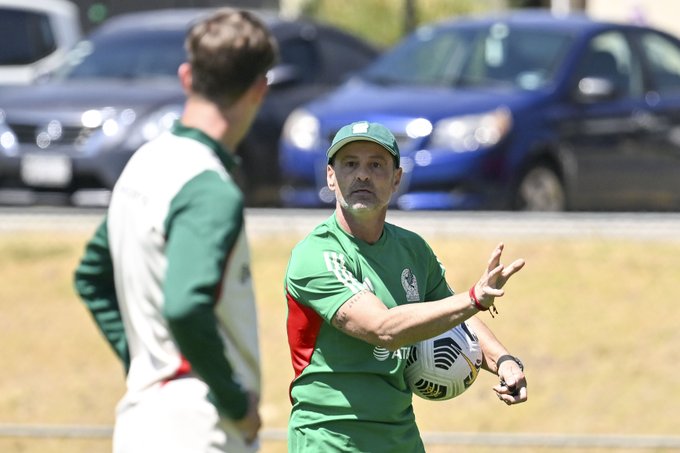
(228, 51)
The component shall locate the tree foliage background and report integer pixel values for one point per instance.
(384, 22)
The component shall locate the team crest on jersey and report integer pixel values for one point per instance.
(410, 284)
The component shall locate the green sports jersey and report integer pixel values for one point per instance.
(349, 395)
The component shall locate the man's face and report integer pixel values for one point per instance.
(363, 176)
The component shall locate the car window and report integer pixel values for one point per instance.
(26, 37)
(129, 57)
(425, 58)
(341, 57)
(480, 56)
(300, 53)
(608, 55)
(520, 58)
(664, 62)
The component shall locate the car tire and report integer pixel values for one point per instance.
(541, 190)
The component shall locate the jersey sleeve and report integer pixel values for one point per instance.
(204, 222)
(94, 283)
(321, 277)
(437, 286)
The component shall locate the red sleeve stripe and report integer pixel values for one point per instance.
(303, 325)
(183, 370)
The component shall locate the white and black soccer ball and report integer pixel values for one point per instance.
(444, 366)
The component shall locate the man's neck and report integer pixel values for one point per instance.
(366, 225)
(206, 116)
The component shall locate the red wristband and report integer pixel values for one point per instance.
(474, 301)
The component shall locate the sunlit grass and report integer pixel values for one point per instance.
(594, 320)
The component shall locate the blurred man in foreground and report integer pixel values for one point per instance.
(167, 274)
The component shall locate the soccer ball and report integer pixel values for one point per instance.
(444, 366)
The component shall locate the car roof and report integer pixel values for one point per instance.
(170, 19)
(177, 20)
(575, 22)
(53, 6)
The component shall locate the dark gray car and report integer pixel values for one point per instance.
(71, 136)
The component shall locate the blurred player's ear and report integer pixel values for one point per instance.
(260, 88)
(185, 76)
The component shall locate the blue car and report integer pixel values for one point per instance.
(520, 111)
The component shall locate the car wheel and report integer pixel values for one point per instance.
(541, 190)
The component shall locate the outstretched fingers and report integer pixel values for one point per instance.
(514, 267)
(495, 258)
(487, 288)
(496, 274)
(493, 276)
(509, 271)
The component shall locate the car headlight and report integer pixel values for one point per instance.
(8, 140)
(155, 124)
(471, 132)
(110, 121)
(301, 130)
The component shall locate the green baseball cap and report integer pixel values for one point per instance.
(364, 131)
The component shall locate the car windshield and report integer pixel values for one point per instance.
(26, 37)
(498, 55)
(132, 56)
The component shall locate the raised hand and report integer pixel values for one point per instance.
(495, 276)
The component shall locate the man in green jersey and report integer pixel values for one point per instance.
(358, 287)
(167, 274)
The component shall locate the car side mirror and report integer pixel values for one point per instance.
(284, 74)
(595, 89)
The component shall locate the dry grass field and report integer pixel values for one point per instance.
(595, 321)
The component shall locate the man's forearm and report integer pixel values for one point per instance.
(491, 347)
(94, 283)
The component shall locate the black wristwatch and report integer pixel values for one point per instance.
(505, 357)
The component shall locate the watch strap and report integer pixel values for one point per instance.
(507, 357)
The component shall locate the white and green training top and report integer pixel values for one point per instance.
(167, 274)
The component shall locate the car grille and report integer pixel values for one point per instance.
(70, 135)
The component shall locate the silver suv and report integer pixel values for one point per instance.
(34, 38)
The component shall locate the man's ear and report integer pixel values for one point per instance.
(397, 179)
(260, 88)
(330, 177)
(185, 77)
